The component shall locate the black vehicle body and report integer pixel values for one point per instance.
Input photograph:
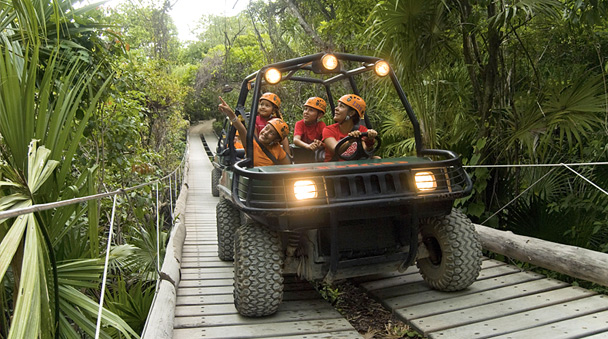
(368, 215)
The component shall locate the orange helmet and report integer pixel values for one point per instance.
(317, 103)
(280, 126)
(355, 102)
(272, 98)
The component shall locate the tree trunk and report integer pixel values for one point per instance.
(309, 30)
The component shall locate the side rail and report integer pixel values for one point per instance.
(168, 275)
(570, 260)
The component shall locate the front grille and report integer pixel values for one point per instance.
(366, 185)
(451, 183)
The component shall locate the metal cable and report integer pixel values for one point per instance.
(105, 270)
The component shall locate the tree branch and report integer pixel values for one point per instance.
(311, 32)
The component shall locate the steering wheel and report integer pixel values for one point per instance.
(360, 152)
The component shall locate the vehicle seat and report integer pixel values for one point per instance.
(301, 155)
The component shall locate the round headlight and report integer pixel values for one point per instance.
(329, 61)
(272, 76)
(305, 189)
(425, 181)
(382, 68)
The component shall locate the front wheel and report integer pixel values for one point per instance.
(258, 270)
(454, 259)
(228, 220)
(216, 173)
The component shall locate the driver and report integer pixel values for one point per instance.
(349, 111)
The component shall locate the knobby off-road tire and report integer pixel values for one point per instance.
(455, 252)
(258, 272)
(228, 220)
(216, 173)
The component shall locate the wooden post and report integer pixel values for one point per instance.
(570, 260)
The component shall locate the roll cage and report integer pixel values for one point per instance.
(312, 64)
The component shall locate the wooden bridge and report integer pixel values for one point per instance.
(505, 302)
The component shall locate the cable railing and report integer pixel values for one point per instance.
(178, 177)
(553, 167)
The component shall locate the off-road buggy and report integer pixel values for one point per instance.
(335, 220)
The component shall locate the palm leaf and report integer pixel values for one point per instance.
(32, 301)
(41, 167)
(89, 307)
(80, 273)
(11, 242)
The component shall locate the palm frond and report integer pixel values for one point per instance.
(79, 302)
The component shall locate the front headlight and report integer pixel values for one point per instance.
(329, 61)
(425, 181)
(272, 76)
(382, 68)
(305, 189)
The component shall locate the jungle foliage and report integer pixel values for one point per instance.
(501, 83)
(94, 98)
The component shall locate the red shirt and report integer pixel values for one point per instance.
(309, 133)
(260, 123)
(333, 131)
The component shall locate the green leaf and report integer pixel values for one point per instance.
(39, 167)
(31, 300)
(11, 242)
(77, 299)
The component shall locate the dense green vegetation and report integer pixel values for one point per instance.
(94, 98)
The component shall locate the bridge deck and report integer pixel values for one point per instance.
(204, 306)
(504, 303)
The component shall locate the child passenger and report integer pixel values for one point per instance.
(349, 111)
(308, 132)
(269, 108)
(270, 138)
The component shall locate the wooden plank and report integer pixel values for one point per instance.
(582, 327)
(202, 259)
(226, 274)
(497, 271)
(400, 280)
(199, 254)
(325, 313)
(341, 334)
(228, 298)
(197, 310)
(601, 335)
(204, 299)
(207, 265)
(415, 284)
(205, 283)
(264, 330)
(191, 291)
(476, 299)
(210, 270)
(512, 304)
(529, 319)
(479, 286)
(229, 308)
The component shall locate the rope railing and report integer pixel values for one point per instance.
(47, 206)
(567, 166)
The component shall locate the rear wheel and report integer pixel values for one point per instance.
(258, 273)
(454, 259)
(216, 173)
(228, 220)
